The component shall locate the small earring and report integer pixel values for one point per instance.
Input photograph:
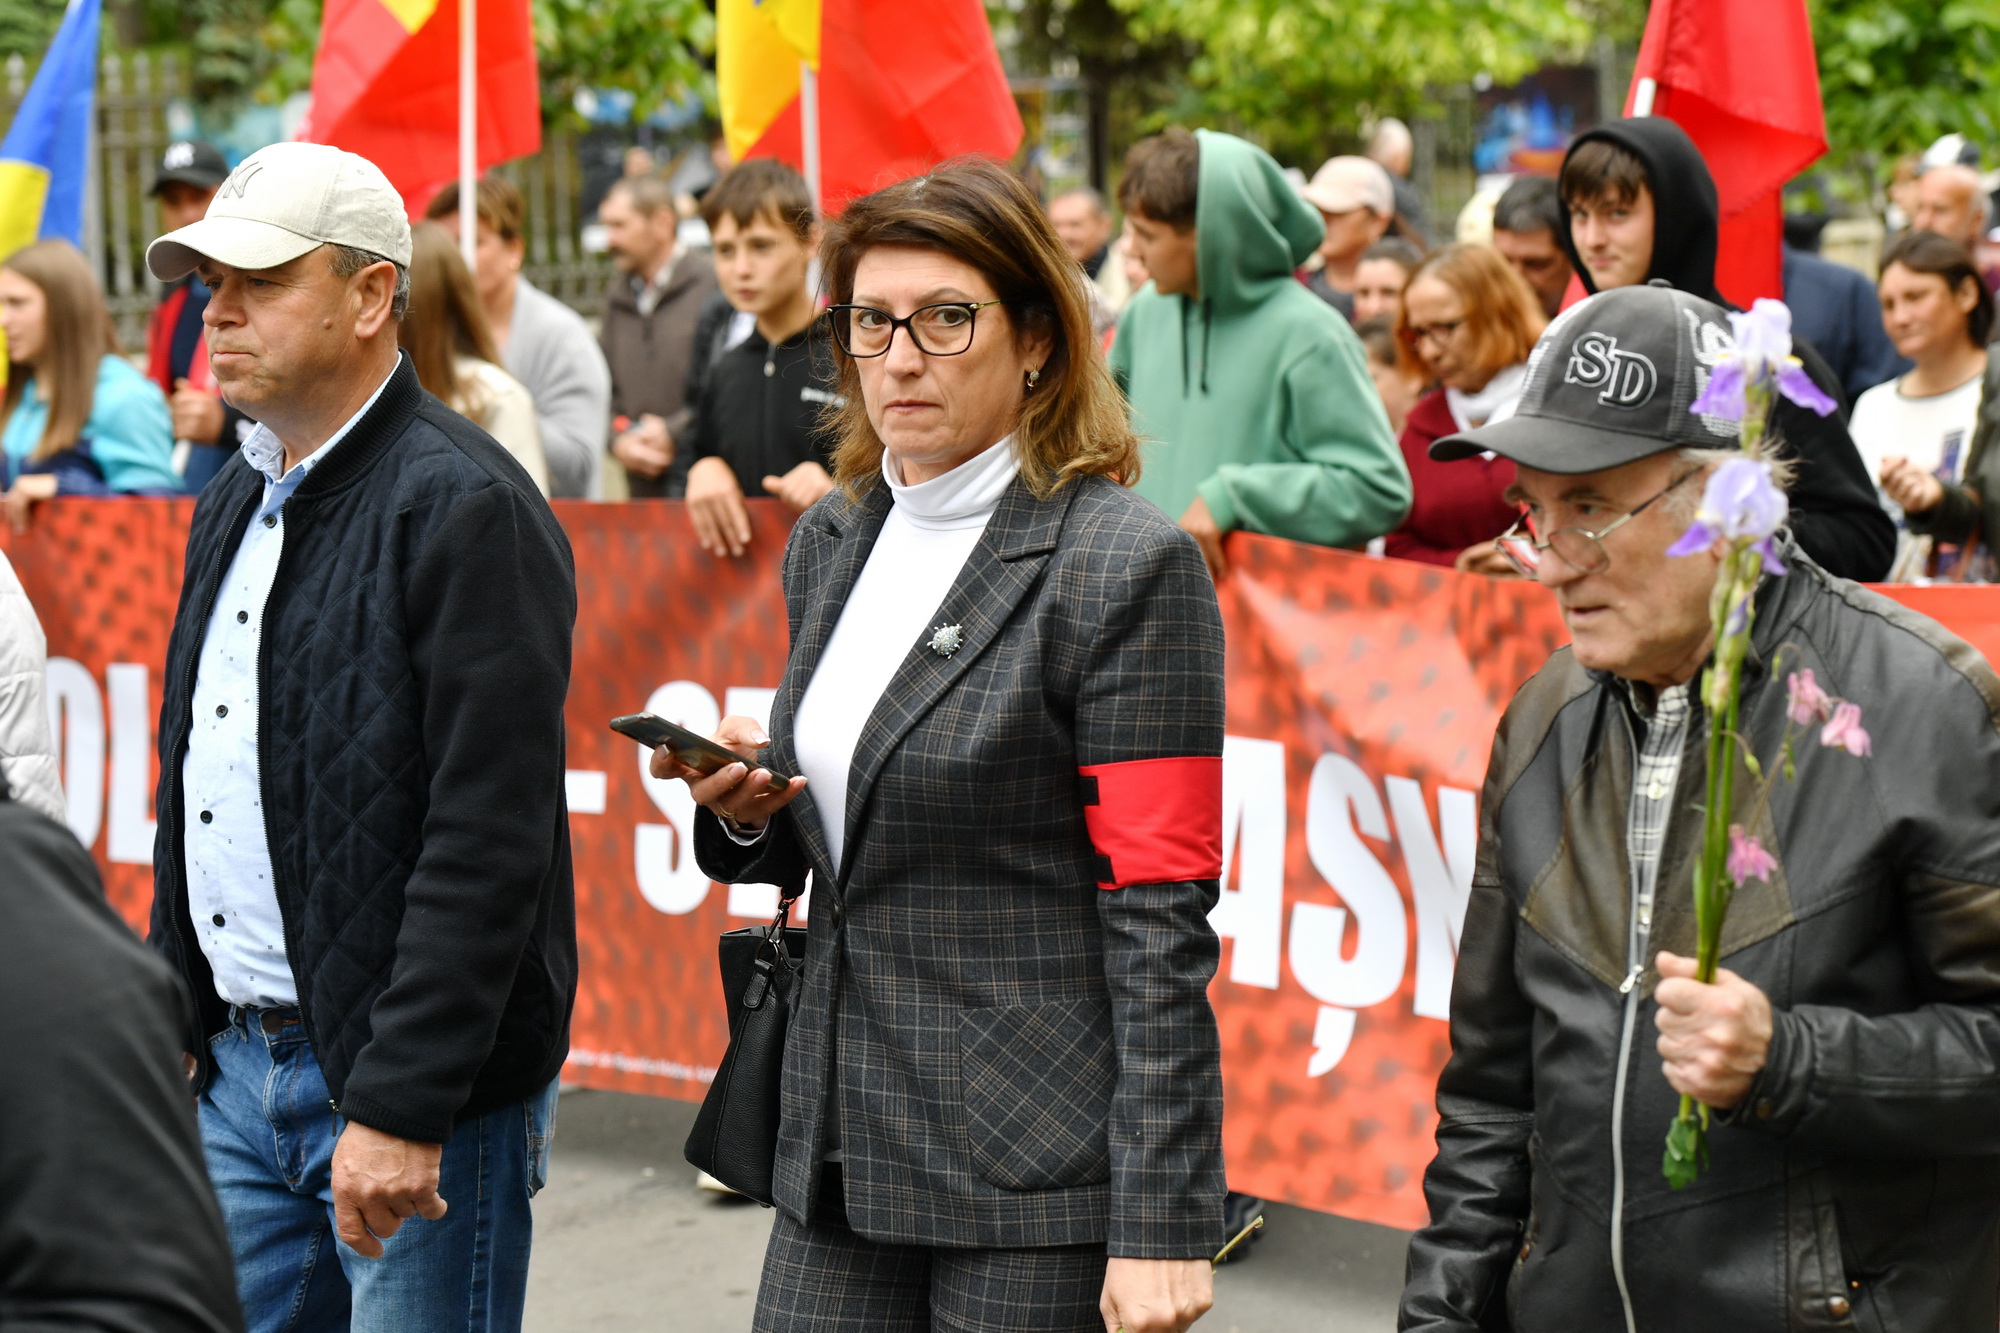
(1034, 378)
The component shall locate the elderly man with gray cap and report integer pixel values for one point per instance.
(1849, 1047)
(362, 869)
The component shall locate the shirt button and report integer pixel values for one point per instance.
(222, 710)
(208, 817)
(1657, 790)
(270, 520)
(218, 919)
(242, 617)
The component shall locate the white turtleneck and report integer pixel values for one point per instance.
(925, 541)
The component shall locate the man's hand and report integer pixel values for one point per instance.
(1155, 1295)
(739, 792)
(802, 487)
(646, 447)
(197, 415)
(25, 494)
(1201, 525)
(1486, 558)
(1713, 1038)
(1913, 489)
(378, 1180)
(715, 503)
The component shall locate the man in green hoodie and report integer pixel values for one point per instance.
(1253, 394)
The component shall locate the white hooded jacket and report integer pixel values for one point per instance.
(27, 751)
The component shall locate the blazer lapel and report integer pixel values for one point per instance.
(834, 547)
(1001, 570)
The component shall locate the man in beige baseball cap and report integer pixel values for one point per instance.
(362, 867)
(1357, 199)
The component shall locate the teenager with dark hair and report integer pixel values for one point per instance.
(1253, 394)
(1639, 205)
(755, 428)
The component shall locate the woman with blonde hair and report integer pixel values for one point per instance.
(80, 420)
(1468, 321)
(1002, 1083)
(451, 344)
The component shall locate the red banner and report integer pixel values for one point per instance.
(1362, 699)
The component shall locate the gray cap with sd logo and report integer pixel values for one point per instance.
(1610, 381)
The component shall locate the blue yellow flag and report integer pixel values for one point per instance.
(44, 159)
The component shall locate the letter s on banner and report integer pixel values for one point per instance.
(1253, 838)
(1339, 787)
(663, 854)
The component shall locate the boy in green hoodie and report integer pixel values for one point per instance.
(1253, 394)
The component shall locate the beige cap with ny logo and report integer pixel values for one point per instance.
(283, 201)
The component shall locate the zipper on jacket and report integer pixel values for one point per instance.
(176, 788)
(263, 792)
(1630, 990)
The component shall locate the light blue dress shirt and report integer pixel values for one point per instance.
(231, 898)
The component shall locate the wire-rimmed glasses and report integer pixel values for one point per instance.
(941, 329)
(1582, 551)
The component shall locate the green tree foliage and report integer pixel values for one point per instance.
(1896, 74)
(264, 48)
(26, 26)
(1300, 75)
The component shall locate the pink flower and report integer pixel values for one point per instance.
(1747, 858)
(1843, 731)
(1809, 702)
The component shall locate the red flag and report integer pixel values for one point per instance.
(903, 85)
(1741, 78)
(385, 85)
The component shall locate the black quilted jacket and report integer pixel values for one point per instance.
(414, 661)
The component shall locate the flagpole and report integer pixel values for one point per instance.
(468, 130)
(809, 129)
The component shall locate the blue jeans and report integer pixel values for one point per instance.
(268, 1129)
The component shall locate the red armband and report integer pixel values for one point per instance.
(1154, 820)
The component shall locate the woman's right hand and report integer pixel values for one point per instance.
(1913, 489)
(740, 793)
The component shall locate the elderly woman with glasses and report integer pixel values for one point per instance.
(1467, 322)
(1002, 1100)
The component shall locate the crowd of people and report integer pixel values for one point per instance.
(1018, 435)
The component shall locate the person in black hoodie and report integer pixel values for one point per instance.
(1639, 205)
(755, 429)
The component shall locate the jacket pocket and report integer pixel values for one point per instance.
(1822, 1296)
(1036, 1081)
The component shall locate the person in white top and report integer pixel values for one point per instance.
(1004, 705)
(449, 340)
(1915, 433)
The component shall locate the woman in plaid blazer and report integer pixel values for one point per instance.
(1002, 1090)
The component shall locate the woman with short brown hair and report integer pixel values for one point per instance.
(1468, 321)
(1003, 1096)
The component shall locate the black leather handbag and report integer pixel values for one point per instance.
(735, 1136)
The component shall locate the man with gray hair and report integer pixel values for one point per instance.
(1847, 1052)
(362, 868)
(1083, 223)
(1392, 145)
(1952, 201)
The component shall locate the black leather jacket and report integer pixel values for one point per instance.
(1858, 1183)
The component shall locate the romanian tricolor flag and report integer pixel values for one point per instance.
(385, 85)
(45, 156)
(900, 86)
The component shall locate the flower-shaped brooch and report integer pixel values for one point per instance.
(945, 640)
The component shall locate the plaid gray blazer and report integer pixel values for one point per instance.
(1006, 993)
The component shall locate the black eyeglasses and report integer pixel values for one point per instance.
(944, 329)
(1582, 551)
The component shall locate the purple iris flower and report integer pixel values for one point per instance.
(1763, 352)
(1740, 501)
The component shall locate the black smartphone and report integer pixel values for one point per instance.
(697, 752)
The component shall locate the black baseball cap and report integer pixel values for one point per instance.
(1610, 382)
(195, 162)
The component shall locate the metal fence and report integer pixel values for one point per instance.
(135, 90)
